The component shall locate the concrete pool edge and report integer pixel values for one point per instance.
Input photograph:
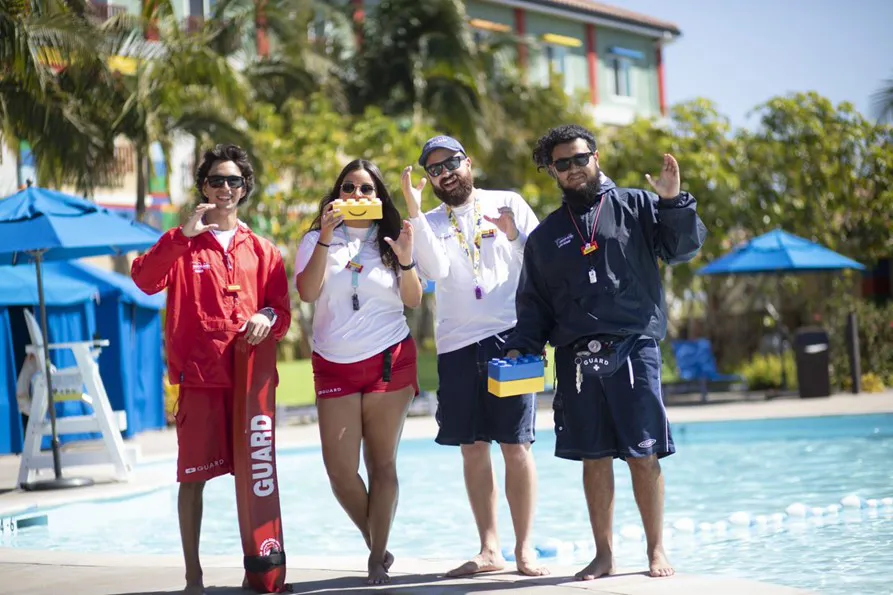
(37, 572)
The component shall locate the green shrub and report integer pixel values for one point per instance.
(763, 371)
(875, 340)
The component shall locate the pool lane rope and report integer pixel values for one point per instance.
(735, 522)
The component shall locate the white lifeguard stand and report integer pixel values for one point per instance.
(68, 385)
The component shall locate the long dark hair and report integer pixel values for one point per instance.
(390, 224)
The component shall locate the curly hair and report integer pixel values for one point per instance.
(567, 133)
(391, 223)
(233, 153)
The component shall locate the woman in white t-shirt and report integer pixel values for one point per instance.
(360, 275)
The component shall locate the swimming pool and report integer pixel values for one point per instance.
(755, 467)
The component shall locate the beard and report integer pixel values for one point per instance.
(458, 194)
(583, 197)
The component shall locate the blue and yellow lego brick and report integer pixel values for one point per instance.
(513, 377)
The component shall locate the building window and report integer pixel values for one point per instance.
(556, 64)
(623, 80)
(557, 53)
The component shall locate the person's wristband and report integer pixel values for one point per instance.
(321, 243)
(408, 267)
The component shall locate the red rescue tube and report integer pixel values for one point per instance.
(254, 462)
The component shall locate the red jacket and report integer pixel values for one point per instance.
(211, 294)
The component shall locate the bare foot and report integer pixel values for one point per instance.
(526, 562)
(194, 589)
(388, 560)
(378, 574)
(245, 585)
(658, 565)
(483, 562)
(601, 565)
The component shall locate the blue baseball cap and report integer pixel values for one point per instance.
(440, 142)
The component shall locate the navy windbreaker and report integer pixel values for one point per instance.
(555, 300)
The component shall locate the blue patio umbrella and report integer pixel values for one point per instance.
(779, 252)
(38, 225)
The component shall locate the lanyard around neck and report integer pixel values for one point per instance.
(355, 263)
(591, 245)
(473, 254)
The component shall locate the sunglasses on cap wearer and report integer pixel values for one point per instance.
(580, 160)
(365, 189)
(452, 164)
(231, 181)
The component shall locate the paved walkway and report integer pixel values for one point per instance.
(63, 573)
(54, 573)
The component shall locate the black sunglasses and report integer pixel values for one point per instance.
(232, 181)
(365, 189)
(452, 164)
(580, 160)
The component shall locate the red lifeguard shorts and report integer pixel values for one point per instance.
(204, 433)
(333, 380)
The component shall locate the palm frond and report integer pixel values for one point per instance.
(882, 102)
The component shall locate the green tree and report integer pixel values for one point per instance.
(181, 85)
(52, 74)
(819, 171)
(700, 140)
(418, 58)
(298, 64)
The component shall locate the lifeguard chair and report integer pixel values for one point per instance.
(69, 384)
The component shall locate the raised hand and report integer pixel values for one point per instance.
(194, 225)
(331, 218)
(412, 194)
(505, 222)
(668, 184)
(402, 247)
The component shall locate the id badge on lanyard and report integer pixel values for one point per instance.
(591, 246)
(355, 266)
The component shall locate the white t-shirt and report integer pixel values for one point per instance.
(462, 319)
(225, 237)
(341, 334)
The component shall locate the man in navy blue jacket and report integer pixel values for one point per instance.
(591, 286)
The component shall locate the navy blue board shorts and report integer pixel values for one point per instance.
(617, 416)
(467, 412)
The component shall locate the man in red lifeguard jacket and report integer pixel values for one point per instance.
(223, 281)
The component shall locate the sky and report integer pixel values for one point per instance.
(740, 53)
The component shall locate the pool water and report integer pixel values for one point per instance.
(756, 467)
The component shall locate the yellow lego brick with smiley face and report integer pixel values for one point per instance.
(358, 208)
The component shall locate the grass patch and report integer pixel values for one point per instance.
(296, 378)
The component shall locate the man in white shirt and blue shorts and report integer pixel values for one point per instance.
(472, 247)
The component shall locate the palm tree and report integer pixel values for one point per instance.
(298, 63)
(418, 57)
(51, 76)
(180, 85)
(883, 102)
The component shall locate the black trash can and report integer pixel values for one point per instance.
(812, 353)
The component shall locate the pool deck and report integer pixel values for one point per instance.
(29, 572)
